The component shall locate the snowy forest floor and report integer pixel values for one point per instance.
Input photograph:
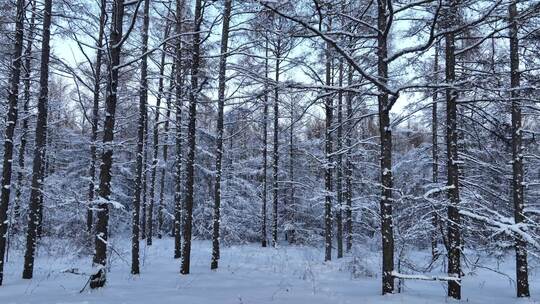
(248, 274)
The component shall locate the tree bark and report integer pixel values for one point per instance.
(522, 276)
(34, 220)
(265, 148)
(219, 134)
(155, 161)
(95, 116)
(190, 162)
(98, 279)
(144, 108)
(25, 113)
(435, 152)
(348, 165)
(178, 138)
(165, 154)
(328, 155)
(11, 123)
(339, 169)
(454, 235)
(291, 205)
(143, 95)
(387, 234)
(144, 204)
(275, 157)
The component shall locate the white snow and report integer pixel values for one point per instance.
(247, 274)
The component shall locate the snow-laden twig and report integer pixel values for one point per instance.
(424, 277)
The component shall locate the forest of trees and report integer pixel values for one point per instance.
(311, 122)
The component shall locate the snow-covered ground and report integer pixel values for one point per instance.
(247, 274)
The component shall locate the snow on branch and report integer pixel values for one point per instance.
(100, 200)
(424, 277)
(503, 226)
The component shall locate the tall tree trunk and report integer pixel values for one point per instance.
(435, 151)
(165, 154)
(34, 220)
(522, 276)
(143, 95)
(46, 163)
(155, 162)
(190, 162)
(275, 160)
(328, 155)
(454, 236)
(98, 279)
(144, 204)
(11, 123)
(135, 225)
(178, 138)
(348, 165)
(25, 113)
(265, 148)
(387, 234)
(339, 169)
(291, 206)
(95, 116)
(144, 103)
(219, 133)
